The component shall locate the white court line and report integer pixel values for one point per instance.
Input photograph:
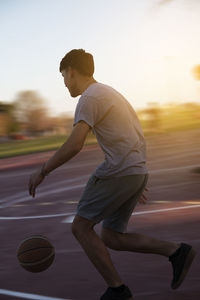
(69, 219)
(28, 296)
(92, 163)
(167, 186)
(41, 194)
(163, 209)
(37, 217)
(43, 188)
(173, 169)
(26, 197)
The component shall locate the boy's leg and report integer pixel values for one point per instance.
(96, 250)
(136, 242)
(181, 255)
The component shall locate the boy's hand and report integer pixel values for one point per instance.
(34, 181)
(143, 198)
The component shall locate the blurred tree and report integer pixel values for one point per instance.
(196, 72)
(8, 123)
(30, 110)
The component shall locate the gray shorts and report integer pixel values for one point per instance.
(111, 200)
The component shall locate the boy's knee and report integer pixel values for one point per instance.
(111, 238)
(81, 225)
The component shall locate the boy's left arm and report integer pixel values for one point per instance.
(69, 149)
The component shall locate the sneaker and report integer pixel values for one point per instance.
(181, 261)
(111, 294)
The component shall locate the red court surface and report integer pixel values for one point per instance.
(172, 213)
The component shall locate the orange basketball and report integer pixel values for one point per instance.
(35, 253)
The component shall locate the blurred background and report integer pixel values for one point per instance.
(149, 50)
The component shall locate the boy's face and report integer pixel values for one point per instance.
(70, 81)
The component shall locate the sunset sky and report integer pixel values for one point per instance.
(145, 49)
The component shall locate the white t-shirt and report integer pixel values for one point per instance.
(117, 129)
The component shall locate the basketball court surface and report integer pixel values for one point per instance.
(172, 213)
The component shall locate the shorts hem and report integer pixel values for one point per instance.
(86, 217)
(114, 229)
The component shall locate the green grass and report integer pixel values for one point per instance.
(176, 122)
(40, 144)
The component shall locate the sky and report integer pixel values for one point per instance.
(144, 49)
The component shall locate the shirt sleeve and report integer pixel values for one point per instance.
(86, 110)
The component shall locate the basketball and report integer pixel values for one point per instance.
(35, 253)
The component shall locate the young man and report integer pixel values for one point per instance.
(117, 184)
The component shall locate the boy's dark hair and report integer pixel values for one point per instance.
(80, 60)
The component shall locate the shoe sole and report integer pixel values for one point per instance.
(188, 263)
